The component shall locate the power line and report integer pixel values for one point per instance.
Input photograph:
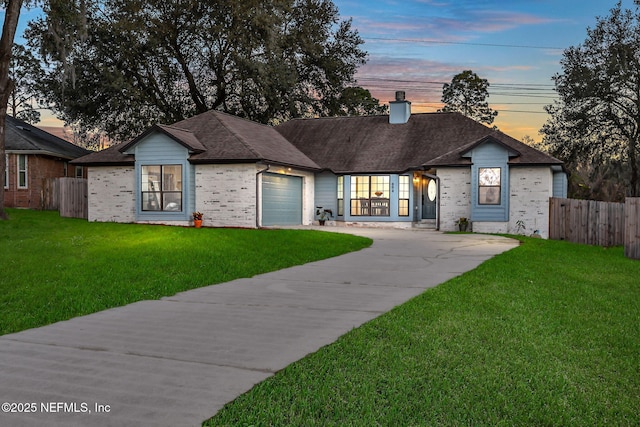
(523, 103)
(528, 86)
(520, 90)
(522, 111)
(525, 95)
(431, 41)
(440, 105)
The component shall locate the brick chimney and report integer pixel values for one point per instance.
(400, 109)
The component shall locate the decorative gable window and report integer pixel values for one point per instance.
(162, 188)
(489, 180)
(370, 195)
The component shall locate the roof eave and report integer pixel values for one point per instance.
(490, 138)
(253, 160)
(42, 153)
(158, 128)
(105, 163)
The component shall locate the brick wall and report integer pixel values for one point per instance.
(39, 168)
(226, 194)
(455, 196)
(531, 188)
(529, 192)
(111, 194)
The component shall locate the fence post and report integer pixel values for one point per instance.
(632, 228)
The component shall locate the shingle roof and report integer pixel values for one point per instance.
(183, 137)
(340, 144)
(371, 144)
(230, 138)
(216, 137)
(109, 156)
(23, 137)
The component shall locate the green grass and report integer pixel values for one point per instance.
(547, 334)
(57, 268)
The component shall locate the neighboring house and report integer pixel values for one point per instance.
(32, 156)
(399, 170)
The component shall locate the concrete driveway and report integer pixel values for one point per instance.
(177, 361)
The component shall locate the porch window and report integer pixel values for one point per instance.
(22, 171)
(162, 188)
(340, 196)
(370, 195)
(489, 186)
(404, 189)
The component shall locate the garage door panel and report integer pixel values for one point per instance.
(281, 199)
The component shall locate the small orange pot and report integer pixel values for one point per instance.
(197, 223)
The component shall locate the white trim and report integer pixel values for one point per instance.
(6, 171)
(26, 171)
(40, 153)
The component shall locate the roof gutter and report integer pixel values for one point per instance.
(260, 172)
(44, 153)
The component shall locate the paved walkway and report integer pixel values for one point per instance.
(176, 361)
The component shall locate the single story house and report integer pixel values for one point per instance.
(32, 156)
(400, 170)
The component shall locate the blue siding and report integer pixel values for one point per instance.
(560, 185)
(393, 202)
(490, 155)
(326, 192)
(159, 149)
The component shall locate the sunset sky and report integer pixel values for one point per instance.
(418, 45)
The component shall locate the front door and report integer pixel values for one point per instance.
(429, 197)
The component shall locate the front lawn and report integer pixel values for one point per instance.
(57, 268)
(547, 334)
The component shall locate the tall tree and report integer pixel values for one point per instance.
(26, 72)
(140, 62)
(467, 94)
(9, 27)
(597, 119)
(356, 101)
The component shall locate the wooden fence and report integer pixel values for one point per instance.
(68, 195)
(597, 223)
(632, 229)
(586, 221)
(50, 194)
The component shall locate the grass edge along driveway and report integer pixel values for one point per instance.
(58, 268)
(545, 334)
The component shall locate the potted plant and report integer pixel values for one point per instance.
(463, 223)
(323, 214)
(197, 219)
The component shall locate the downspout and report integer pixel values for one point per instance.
(258, 199)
